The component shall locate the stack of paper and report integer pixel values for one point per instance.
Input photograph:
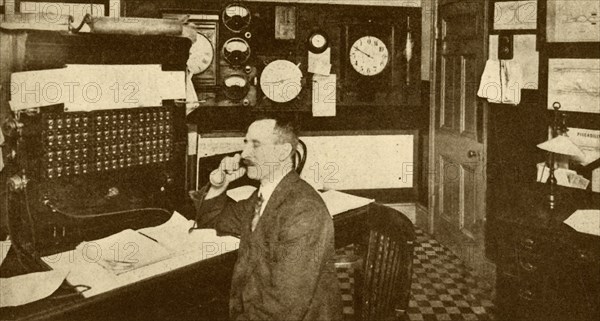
(31, 287)
(338, 202)
(176, 235)
(585, 221)
(123, 252)
(171, 247)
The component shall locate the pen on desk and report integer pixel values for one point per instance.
(122, 261)
(153, 239)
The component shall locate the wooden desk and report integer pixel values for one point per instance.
(545, 269)
(197, 291)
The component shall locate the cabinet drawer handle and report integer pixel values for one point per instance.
(528, 243)
(527, 266)
(526, 295)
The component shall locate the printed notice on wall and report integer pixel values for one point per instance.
(588, 140)
(525, 54)
(324, 95)
(574, 84)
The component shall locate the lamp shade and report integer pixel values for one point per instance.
(562, 145)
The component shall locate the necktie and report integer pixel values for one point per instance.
(257, 207)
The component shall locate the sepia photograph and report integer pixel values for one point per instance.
(315, 160)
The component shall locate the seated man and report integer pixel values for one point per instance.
(285, 268)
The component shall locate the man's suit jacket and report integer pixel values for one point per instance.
(284, 269)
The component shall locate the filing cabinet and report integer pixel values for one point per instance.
(546, 272)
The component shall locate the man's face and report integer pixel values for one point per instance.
(261, 153)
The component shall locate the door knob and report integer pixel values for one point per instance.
(472, 154)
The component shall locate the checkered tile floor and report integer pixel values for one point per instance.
(443, 288)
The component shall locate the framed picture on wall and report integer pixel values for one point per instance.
(520, 16)
(572, 21)
(574, 84)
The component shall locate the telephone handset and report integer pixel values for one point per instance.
(217, 176)
(217, 179)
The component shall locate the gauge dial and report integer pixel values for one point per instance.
(236, 51)
(281, 80)
(201, 55)
(236, 17)
(236, 87)
(369, 55)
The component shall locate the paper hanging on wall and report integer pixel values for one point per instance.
(75, 10)
(525, 53)
(573, 21)
(515, 15)
(501, 82)
(324, 95)
(320, 63)
(96, 87)
(588, 141)
(574, 84)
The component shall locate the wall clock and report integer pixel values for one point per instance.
(281, 81)
(317, 42)
(369, 61)
(369, 55)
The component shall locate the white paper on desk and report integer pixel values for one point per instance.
(320, 63)
(585, 221)
(123, 252)
(324, 94)
(563, 176)
(241, 193)
(84, 271)
(26, 288)
(173, 234)
(338, 202)
(176, 236)
(4, 248)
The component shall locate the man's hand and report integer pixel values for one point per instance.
(229, 170)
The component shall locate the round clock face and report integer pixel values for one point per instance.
(201, 55)
(369, 56)
(317, 42)
(280, 81)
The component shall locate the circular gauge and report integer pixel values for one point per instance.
(236, 87)
(368, 55)
(281, 80)
(236, 51)
(236, 17)
(201, 55)
(318, 42)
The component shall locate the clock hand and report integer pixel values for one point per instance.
(281, 81)
(364, 53)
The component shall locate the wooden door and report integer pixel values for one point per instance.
(459, 210)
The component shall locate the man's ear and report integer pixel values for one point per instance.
(285, 151)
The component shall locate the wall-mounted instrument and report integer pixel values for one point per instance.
(252, 34)
(220, 59)
(281, 81)
(82, 175)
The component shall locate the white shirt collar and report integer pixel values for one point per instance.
(266, 189)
